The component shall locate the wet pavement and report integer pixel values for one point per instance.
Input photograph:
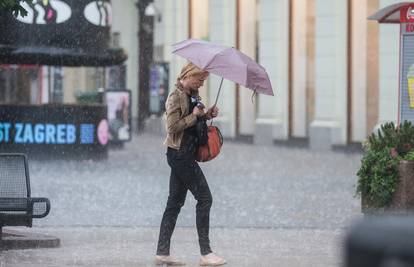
(114, 246)
(272, 206)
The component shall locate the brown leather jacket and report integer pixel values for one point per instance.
(179, 117)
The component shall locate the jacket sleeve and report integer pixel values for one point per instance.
(175, 123)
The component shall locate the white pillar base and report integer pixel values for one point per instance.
(225, 125)
(268, 130)
(324, 134)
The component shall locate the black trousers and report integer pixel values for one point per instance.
(185, 175)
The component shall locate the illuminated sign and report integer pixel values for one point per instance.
(45, 12)
(410, 14)
(60, 33)
(40, 12)
(28, 133)
(407, 14)
(78, 131)
(98, 13)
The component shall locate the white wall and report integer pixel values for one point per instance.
(222, 30)
(174, 28)
(299, 70)
(330, 74)
(199, 30)
(247, 44)
(272, 118)
(359, 70)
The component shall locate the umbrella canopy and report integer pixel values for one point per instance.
(226, 62)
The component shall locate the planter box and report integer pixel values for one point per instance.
(403, 199)
(404, 194)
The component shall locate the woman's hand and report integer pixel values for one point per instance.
(212, 112)
(198, 111)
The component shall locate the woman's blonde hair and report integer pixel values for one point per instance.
(191, 70)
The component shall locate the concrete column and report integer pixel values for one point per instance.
(372, 67)
(272, 118)
(359, 70)
(199, 30)
(222, 30)
(176, 30)
(330, 123)
(299, 29)
(172, 28)
(159, 30)
(247, 44)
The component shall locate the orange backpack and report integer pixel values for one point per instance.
(210, 150)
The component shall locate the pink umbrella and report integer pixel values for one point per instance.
(226, 62)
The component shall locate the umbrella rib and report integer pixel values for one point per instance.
(211, 60)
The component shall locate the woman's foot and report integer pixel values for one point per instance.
(169, 260)
(211, 259)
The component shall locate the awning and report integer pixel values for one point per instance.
(390, 14)
(56, 56)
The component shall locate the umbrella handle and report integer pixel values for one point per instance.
(254, 94)
(218, 93)
(215, 102)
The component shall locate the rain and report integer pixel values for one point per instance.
(87, 95)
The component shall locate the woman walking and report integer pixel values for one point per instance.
(182, 141)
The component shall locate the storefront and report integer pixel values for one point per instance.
(58, 33)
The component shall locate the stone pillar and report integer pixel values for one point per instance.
(247, 44)
(176, 30)
(372, 68)
(329, 126)
(272, 113)
(299, 60)
(359, 70)
(222, 30)
(199, 15)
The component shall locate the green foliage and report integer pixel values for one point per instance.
(410, 155)
(14, 6)
(378, 175)
(88, 97)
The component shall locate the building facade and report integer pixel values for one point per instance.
(334, 73)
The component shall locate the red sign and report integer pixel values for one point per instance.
(407, 14)
(409, 27)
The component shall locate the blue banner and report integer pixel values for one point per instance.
(54, 131)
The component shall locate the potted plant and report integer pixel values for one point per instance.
(385, 178)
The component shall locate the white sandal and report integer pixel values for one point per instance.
(211, 259)
(169, 260)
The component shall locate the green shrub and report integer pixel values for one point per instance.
(88, 97)
(378, 174)
(410, 155)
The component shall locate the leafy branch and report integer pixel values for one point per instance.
(378, 174)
